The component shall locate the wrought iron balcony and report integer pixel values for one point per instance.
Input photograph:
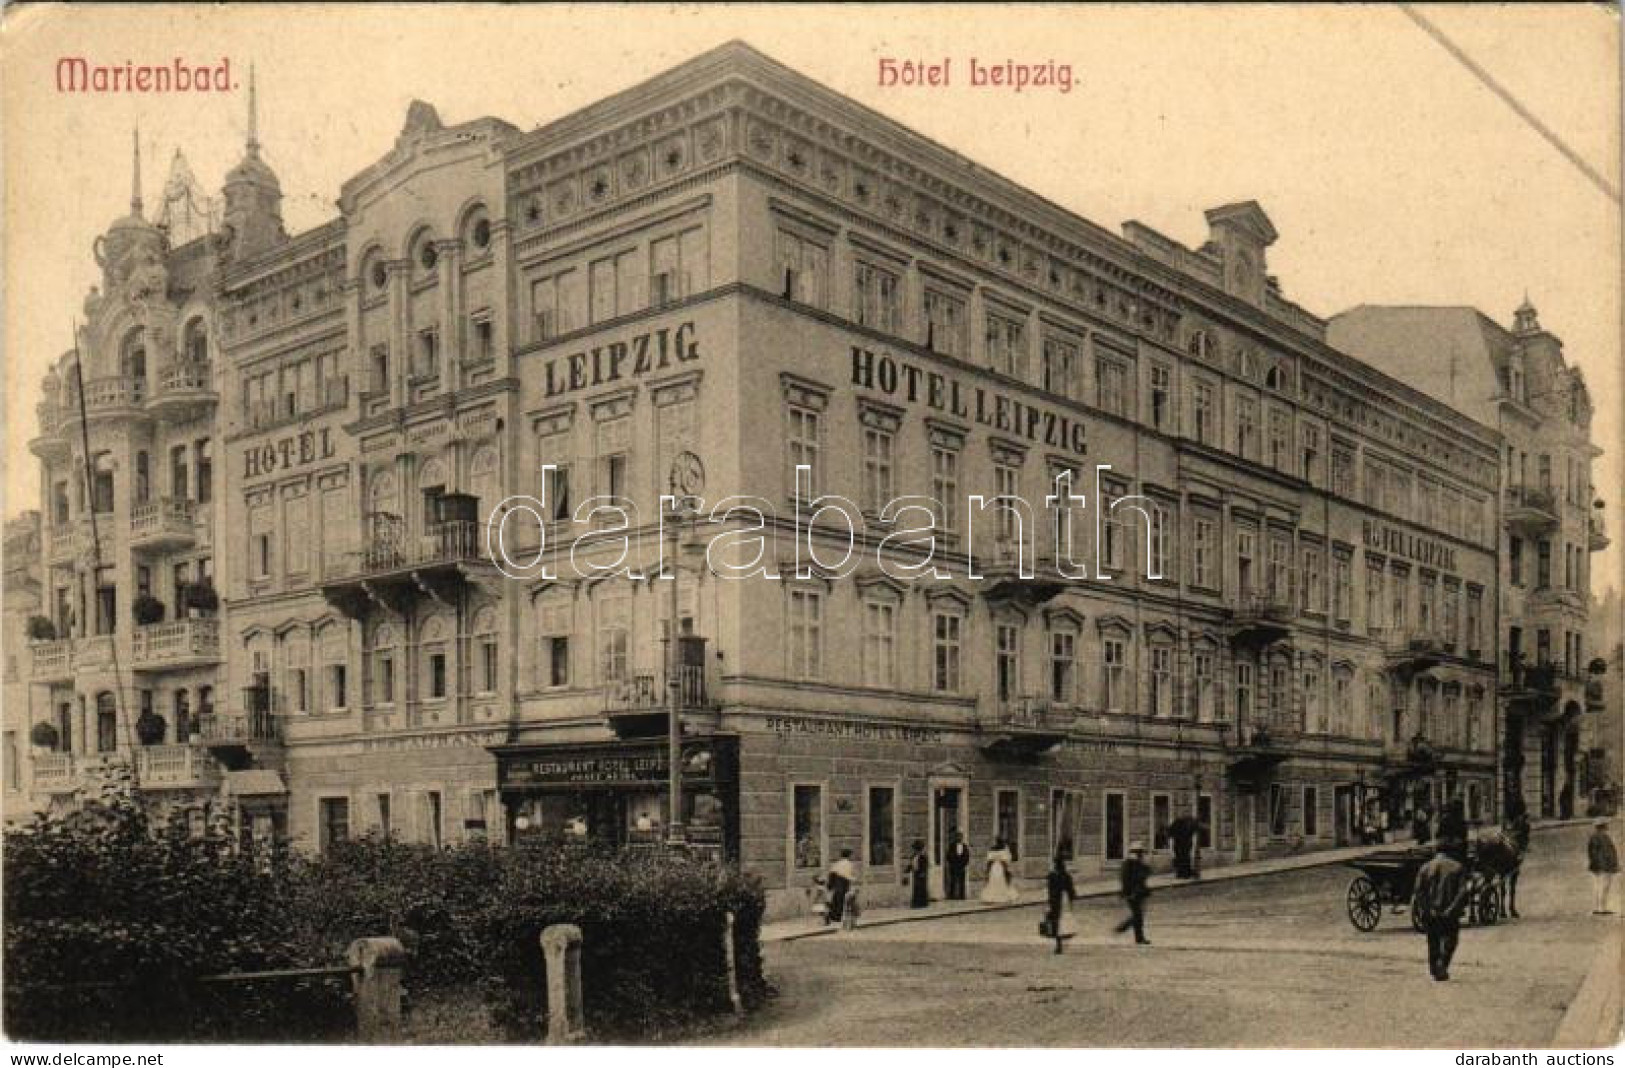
(1003, 578)
(1262, 740)
(1530, 510)
(396, 571)
(638, 706)
(240, 730)
(162, 525)
(1024, 727)
(183, 643)
(53, 661)
(1409, 652)
(1261, 617)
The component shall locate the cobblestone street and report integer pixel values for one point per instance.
(1265, 961)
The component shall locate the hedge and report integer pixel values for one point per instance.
(106, 896)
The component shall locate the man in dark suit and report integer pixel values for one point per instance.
(1135, 877)
(957, 861)
(1439, 899)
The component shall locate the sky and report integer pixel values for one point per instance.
(1392, 174)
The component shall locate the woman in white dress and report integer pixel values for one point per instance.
(1000, 890)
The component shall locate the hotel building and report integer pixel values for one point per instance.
(698, 285)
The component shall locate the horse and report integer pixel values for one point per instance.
(1499, 858)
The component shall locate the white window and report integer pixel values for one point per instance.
(1007, 484)
(1342, 589)
(803, 447)
(1007, 661)
(803, 269)
(1162, 393)
(1007, 345)
(947, 635)
(1204, 413)
(1063, 666)
(1061, 367)
(1202, 685)
(614, 636)
(945, 485)
(1202, 553)
(879, 643)
(875, 297)
(1246, 427)
(806, 634)
(1244, 691)
(1246, 554)
(1113, 531)
(1163, 519)
(1280, 440)
(944, 323)
(1162, 680)
(1113, 667)
(878, 488)
(1314, 592)
(1314, 709)
(1111, 385)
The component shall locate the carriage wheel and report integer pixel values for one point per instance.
(1416, 922)
(1365, 905)
(1489, 905)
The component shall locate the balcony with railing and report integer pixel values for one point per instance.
(1529, 687)
(396, 570)
(1530, 509)
(53, 661)
(61, 543)
(184, 643)
(1006, 576)
(173, 767)
(55, 773)
(1596, 532)
(110, 395)
(1263, 738)
(184, 390)
(1023, 727)
(1262, 616)
(1409, 652)
(51, 444)
(240, 730)
(163, 525)
(638, 706)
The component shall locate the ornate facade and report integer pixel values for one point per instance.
(700, 284)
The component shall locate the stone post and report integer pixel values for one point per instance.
(377, 984)
(733, 971)
(561, 951)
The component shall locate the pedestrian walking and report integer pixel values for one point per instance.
(841, 875)
(1453, 823)
(1182, 834)
(956, 863)
(1000, 889)
(853, 908)
(1603, 860)
(1438, 900)
(819, 895)
(1135, 879)
(919, 871)
(1058, 921)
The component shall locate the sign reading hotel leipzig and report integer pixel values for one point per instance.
(1428, 552)
(998, 411)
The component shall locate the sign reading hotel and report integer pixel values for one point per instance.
(286, 453)
(1425, 551)
(633, 357)
(977, 404)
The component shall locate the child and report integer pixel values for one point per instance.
(820, 899)
(849, 915)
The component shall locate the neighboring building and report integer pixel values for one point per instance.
(1549, 519)
(698, 284)
(20, 585)
(1602, 736)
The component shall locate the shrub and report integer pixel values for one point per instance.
(147, 610)
(41, 629)
(150, 728)
(44, 735)
(108, 895)
(201, 596)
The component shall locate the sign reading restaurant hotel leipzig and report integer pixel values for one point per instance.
(1425, 551)
(844, 728)
(944, 393)
(633, 357)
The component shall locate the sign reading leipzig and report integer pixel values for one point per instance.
(1425, 551)
(998, 411)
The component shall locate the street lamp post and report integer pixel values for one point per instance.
(687, 478)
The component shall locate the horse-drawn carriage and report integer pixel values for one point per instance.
(1388, 878)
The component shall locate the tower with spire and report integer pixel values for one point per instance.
(252, 221)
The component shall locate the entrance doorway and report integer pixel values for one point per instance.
(1344, 816)
(1116, 828)
(947, 816)
(1244, 826)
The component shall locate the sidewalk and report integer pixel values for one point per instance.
(809, 927)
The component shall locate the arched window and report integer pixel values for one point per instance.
(143, 483)
(335, 694)
(102, 491)
(183, 716)
(432, 484)
(106, 723)
(381, 684)
(476, 233)
(296, 680)
(133, 358)
(195, 342)
(435, 660)
(425, 257)
(482, 476)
